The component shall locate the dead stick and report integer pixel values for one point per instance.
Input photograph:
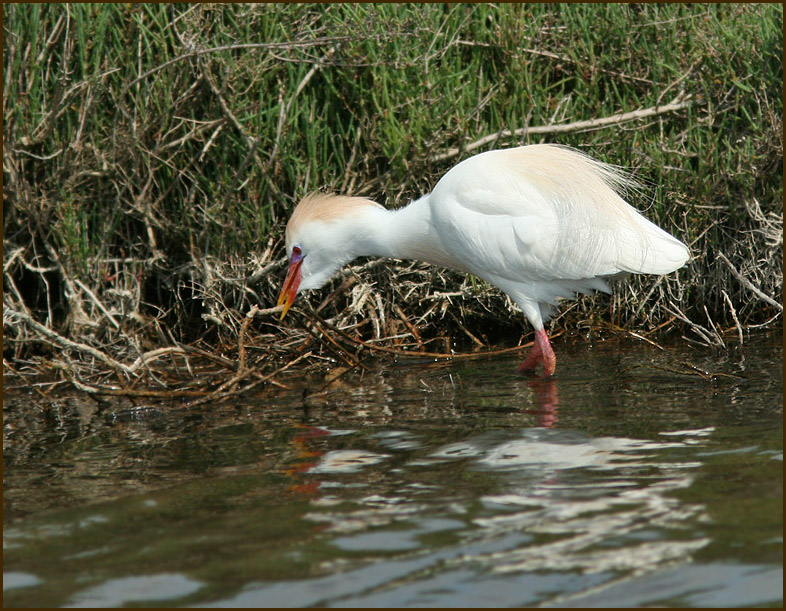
(341, 350)
(67, 343)
(97, 301)
(748, 284)
(439, 355)
(264, 45)
(241, 348)
(642, 113)
(130, 392)
(267, 378)
(152, 355)
(209, 356)
(402, 317)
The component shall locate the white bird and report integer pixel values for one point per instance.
(539, 222)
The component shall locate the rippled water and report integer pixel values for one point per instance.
(629, 480)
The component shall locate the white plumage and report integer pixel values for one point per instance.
(539, 222)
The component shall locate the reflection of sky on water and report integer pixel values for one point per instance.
(564, 501)
(140, 589)
(346, 461)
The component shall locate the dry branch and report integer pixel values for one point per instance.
(63, 342)
(749, 285)
(152, 355)
(618, 119)
(316, 42)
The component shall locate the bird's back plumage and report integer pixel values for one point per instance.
(548, 220)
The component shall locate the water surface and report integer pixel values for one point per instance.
(636, 477)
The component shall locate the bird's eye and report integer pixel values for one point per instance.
(296, 250)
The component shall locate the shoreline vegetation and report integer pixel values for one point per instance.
(153, 153)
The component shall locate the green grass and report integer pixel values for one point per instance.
(155, 134)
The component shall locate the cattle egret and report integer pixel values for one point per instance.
(539, 222)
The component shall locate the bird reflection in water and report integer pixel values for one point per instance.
(307, 457)
(546, 399)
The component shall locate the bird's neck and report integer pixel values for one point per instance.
(405, 233)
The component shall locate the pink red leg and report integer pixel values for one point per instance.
(549, 358)
(533, 358)
(541, 352)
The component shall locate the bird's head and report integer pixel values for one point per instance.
(322, 236)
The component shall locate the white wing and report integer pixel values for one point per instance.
(545, 213)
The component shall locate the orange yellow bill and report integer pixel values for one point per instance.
(291, 284)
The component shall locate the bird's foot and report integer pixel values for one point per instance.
(533, 359)
(541, 352)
